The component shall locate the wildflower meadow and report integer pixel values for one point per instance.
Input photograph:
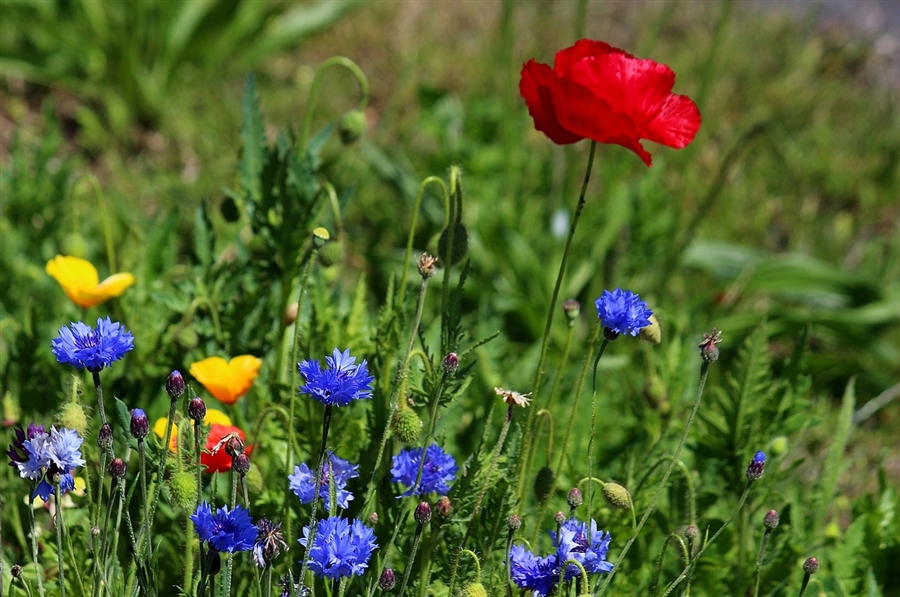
(580, 319)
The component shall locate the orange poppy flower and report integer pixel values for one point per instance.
(227, 380)
(80, 282)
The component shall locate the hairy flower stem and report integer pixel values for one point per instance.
(160, 470)
(759, 560)
(579, 386)
(188, 581)
(412, 558)
(704, 371)
(313, 522)
(803, 586)
(314, 91)
(295, 355)
(98, 389)
(525, 446)
(198, 449)
(58, 523)
(590, 500)
(692, 564)
(39, 572)
(229, 567)
(144, 531)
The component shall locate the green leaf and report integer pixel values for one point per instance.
(831, 470)
(122, 430)
(253, 137)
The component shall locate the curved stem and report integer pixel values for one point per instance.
(594, 422)
(455, 215)
(412, 227)
(545, 342)
(704, 371)
(317, 81)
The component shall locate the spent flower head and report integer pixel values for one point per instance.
(340, 548)
(438, 470)
(340, 383)
(622, 312)
(709, 348)
(303, 481)
(512, 398)
(269, 542)
(92, 349)
(225, 530)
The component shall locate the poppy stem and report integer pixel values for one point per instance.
(545, 342)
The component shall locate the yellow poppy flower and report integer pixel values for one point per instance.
(80, 282)
(227, 380)
(212, 417)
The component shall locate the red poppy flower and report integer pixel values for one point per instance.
(220, 462)
(599, 92)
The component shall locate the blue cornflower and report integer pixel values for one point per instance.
(587, 547)
(48, 458)
(528, 571)
(340, 383)
(65, 448)
(340, 548)
(303, 480)
(91, 349)
(225, 531)
(623, 312)
(439, 470)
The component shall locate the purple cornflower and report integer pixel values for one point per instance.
(528, 571)
(340, 383)
(91, 349)
(17, 452)
(623, 312)
(225, 531)
(439, 470)
(340, 548)
(587, 547)
(47, 457)
(303, 480)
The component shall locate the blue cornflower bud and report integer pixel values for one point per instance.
(422, 515)
(197, 409)
(756, 466)
(140, 425)
(175, 385)
(387, 580)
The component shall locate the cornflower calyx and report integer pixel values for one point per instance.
(425, 265)
(770, 520)
(197, 409)
(811, 565)
(175, 385)
(422, 514)
(140, 425)
(269, 542)
(756, 466)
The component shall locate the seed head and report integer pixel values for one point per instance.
(709, 348)
(234, 446)
(175, 385)
(572, 309)
(512, 398)
(16, 571)
(425, 265)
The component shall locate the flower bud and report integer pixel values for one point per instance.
(450, 363)
(543, 483)
(425, 265)
(175, 385)
(290, 314)
(230, 210)
(709, 348)
(443, 508)
(574, 498)
(116, 468)
(72, 417)
(234, 447)
(475, 589)
(319, 237)
(653, 332)
(406, 425)
(422, 515)
(460, 244)
(770, 520)
(811, 565)
(105, 438)
(616, 496)
(514, 523)
(95, 531)
(140, 426)
(387, 580)
(16, 571)
(691, 532)
(373, 518)
(779, 445)
(572, 309)
(183, 490)
(559, 518)
(351, 126)
(756, 466)
(241, 463)
(197, 409)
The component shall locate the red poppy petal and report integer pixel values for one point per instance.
(642, 90)
(582, 112)
(583, 48)
(537, 78)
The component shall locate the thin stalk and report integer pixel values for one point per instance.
(145, 525)
(160, 470)
(567, 349)
(197, 451)
(455, 216)
(688, 570)
(229, 568)
(313, 523)
(39, 572)
(317, 81)
(412, 558)
(58, 523)
(188, 581)
(295, 355)
(412, 227)
(704, 371)
(98, 389)
(545, 342)
(759, 559)
(593, 424)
